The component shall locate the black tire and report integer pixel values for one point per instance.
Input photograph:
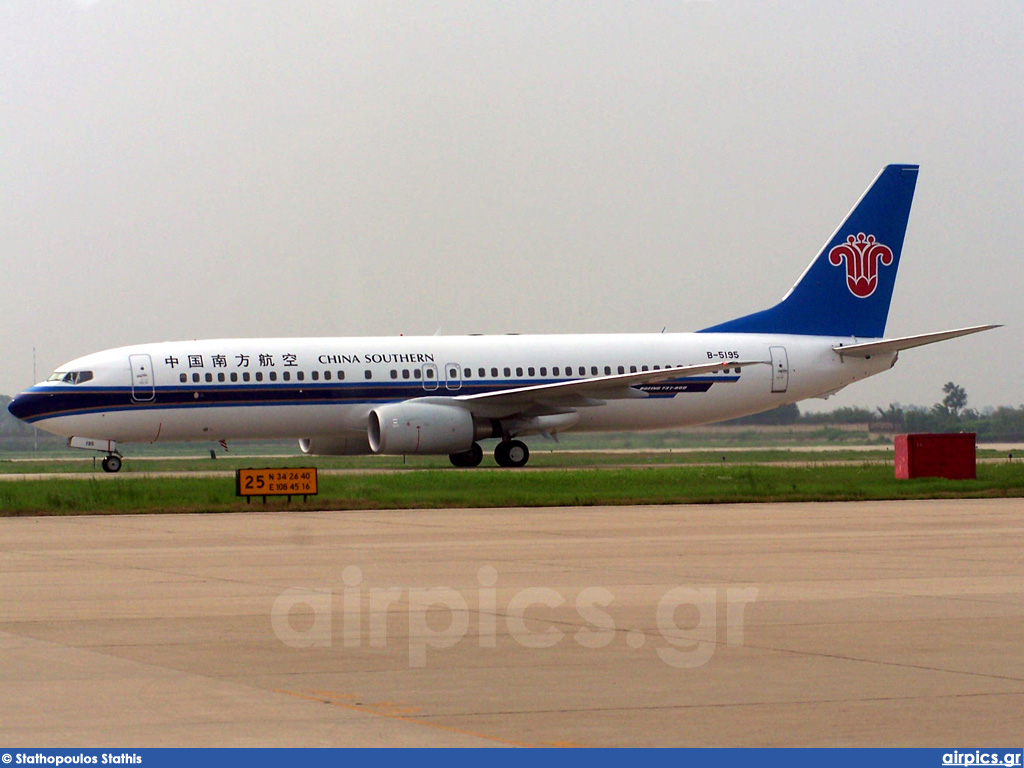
(511, 453)
(470, 458)
(112, 464)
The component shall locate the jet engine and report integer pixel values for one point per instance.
(411, 427)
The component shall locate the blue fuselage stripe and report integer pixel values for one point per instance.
(42, 403)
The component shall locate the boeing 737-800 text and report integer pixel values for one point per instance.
(442, 395)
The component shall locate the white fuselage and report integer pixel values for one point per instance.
(230, 389)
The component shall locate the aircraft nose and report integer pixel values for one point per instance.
(26, 405)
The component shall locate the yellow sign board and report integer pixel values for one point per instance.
(284, 481)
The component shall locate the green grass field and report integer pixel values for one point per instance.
(539, 458)
(429, 488)
(562, 459)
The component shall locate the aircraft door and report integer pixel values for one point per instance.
(143, 388)
(430, 377)
(780, 369)
(453, 376)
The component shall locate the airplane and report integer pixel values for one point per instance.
(443, 395)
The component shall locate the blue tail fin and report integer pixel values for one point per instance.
(846, 290)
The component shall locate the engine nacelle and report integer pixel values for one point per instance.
(411, 427)
(335, 446)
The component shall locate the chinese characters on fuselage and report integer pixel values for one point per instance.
(291, 360)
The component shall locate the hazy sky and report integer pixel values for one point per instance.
(185, 170)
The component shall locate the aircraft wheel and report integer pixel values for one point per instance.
(511, 453)
(112, 463)
(470, 458)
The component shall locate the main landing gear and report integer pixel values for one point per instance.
(507, 453)
(470, 458)
(511, 453)
(112, 463)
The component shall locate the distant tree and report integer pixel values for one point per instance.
(955, 399)
(845, 415)
(894, 415)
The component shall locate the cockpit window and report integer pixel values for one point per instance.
(71, 377)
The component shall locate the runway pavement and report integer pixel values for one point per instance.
(888, 623)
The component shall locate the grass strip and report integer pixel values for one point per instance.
(426, 489)
(549, 459)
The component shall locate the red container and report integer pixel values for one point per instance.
(946, 455)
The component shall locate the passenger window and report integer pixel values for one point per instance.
(405, 373)
(554, 371)
(368, 374)
(519, 371)
(543, 371)
(468, 373)
(183, 378)
(643, 368)
(593, 370)
(508, 372)
(300, 375)
(195, 378)
(221, 377)
(234, 376)
(315, 375)
(583, 371)
(394, 373)
(430, 373)
(273, 375)
(607, 370)
(494, 373)
(259, 375)
(416, 373)
(286, 376)
(482, 372)
(341, 375)
(531, 371)
(245, 376)
(632, 369)
(622, 369)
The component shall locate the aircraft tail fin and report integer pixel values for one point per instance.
(847, 289)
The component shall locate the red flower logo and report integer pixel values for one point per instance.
(862, 255)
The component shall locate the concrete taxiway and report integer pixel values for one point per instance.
(890, 623)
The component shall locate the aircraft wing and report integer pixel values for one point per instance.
(564, 396)
(869, 348)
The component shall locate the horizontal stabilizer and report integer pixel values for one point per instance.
(869, 348)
